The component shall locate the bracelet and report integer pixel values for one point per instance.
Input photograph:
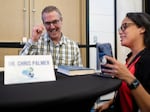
(134, 84)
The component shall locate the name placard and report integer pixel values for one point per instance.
(28, 69)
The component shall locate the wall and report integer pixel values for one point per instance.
(19, 16)
(101, 26)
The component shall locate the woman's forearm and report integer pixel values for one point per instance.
(142, 98)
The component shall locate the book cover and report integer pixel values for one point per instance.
(102, 50)
(75, 70)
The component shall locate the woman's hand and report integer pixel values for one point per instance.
(118, 70)
(104, 106)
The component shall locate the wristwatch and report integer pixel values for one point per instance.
(134, 84)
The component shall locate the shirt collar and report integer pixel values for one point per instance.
(62, 41)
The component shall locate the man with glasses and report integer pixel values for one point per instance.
(63, 50)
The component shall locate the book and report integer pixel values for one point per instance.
(102, 50)
(75, 70)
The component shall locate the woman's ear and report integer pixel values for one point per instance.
(142, 30)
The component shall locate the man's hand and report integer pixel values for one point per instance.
(36, 32)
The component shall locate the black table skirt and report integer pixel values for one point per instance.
(77, 93)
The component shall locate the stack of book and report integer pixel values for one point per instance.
(75, 70)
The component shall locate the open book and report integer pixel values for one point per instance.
(75, 70)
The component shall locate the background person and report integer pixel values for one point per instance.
(134, 91)
(63, 50)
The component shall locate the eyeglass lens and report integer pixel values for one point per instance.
(125, 26)
(54, 22)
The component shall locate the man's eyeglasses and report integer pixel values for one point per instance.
(125, 26)
(54, 22)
